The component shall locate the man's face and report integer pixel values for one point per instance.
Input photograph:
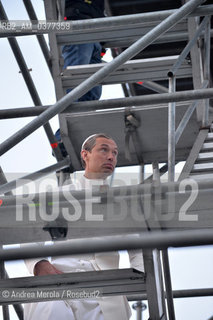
(101, 160)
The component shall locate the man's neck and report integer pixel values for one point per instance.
(95, 176)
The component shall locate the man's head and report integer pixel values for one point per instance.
(99, 156)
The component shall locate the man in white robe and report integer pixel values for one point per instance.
(99, 157)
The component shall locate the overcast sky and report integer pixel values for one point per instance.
(190, 268)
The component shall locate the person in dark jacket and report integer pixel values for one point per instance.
(85, 53)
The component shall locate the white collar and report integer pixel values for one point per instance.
(85, 183)
(91, 183)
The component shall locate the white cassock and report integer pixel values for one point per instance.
(112, 308)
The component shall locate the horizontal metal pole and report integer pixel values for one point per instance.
(185, 293)
(143, 101)
(104, 244)
(111, 22)
(34, 176)
(167, 37)
(22, 112)
(96, 78)
(124, 43)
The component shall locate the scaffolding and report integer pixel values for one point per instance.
(162, 59)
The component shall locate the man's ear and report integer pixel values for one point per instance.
(84, 154)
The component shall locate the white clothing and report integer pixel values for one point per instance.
(111, 308)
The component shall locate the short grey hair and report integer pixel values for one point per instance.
(90, 142)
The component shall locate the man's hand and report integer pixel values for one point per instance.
(44, 267)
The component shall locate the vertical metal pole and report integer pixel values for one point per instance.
(168, 285)
(207, 44)
(139, 307)
(156, 172)
(154, 285)
(171, 132)
(141, 173)
(60, 4)
(171, 178)
(3, 273)
(5, 308)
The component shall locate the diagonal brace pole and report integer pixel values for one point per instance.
(31, 87)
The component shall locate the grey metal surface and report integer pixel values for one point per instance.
(106, 283)
(132, 71)
(153, 132)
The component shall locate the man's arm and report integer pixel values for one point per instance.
(39, 266)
